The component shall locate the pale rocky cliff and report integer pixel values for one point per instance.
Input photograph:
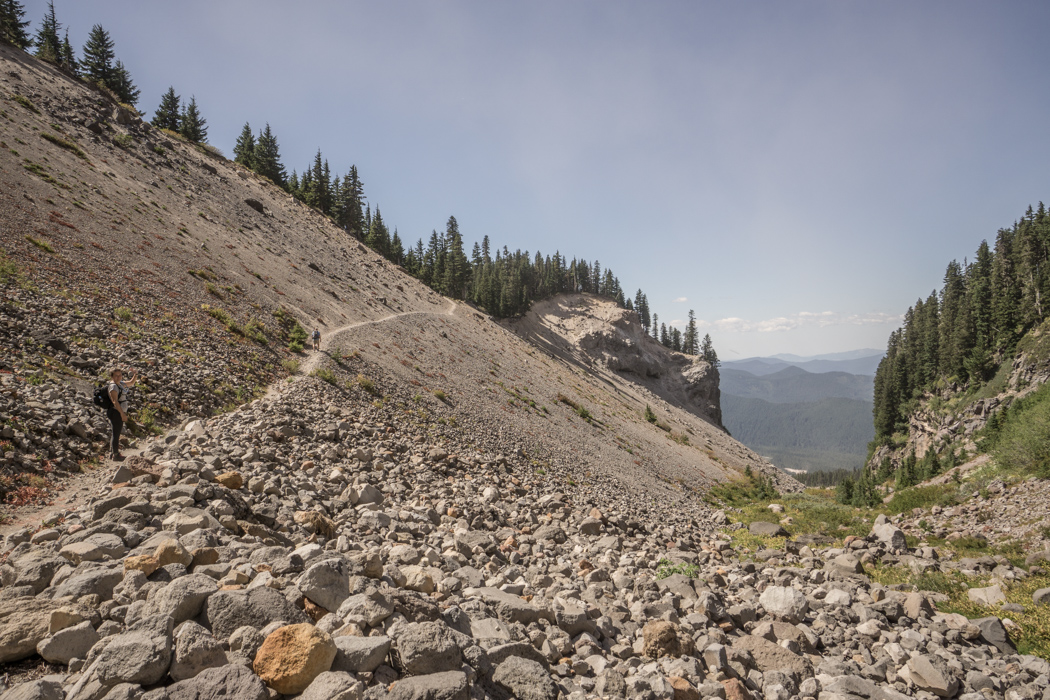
(595, 331)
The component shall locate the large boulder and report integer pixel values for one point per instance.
(225, 611)
(525, 679)
(891, 536)
(360, 654)
(326, 583)
(293, 656)
(785, 603)
(230, 682)
(195, 651)
(184, 597)
(663, 638)
(333, 685)
(994, 632)
(70, 643)
(988, 597)
(451, 685)
(427, 647)
(24, 624)
(35, 569)
(764, 529)
(931, 673)
(141, 655)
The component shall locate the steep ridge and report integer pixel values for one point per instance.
(441, 510)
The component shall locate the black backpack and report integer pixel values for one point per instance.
(101, 397)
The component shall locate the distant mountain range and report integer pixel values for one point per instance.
(796, 385)
(759, 366)
(807, 413)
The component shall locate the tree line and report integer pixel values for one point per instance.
(99, 64)
(502, 282)
(961, 334)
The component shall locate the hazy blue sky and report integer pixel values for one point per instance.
(796, 172)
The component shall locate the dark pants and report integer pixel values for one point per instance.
(118, 425)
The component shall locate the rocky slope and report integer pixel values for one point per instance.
(951, 416)
(443, 511)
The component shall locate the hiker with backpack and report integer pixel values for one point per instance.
(115, 401)
(317, 339)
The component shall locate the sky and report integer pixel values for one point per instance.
(797, 173)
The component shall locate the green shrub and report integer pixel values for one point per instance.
(297, 338)
(366, 384)
(123, 313)
(123, 140)
(923, 497)
(1023, 440)
(8, 270)
(291, 365)
(24, 101)
(440, 395)
(42, 245)
(665, 568)
(649, 415)
(256, 330)
(62, 143)
(325, 375)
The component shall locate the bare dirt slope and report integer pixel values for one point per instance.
(113, 214)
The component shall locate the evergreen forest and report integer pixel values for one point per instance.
(958, 336)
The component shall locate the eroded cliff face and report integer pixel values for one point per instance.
(597, 332)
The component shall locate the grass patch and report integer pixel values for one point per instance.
(325, 375)
(256, 331)
(440, 395)
(123, 313)
(123, 140)
(24, 101)
(1034, 636)
(43, 174)
(62, 143)
(42, 245)
(367, 384)
(944, 495)
(665, 568)
(291, 365)
(9, 271)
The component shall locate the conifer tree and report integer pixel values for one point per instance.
(168, 113)
(707, 351)
(126, 91)
(656, 327)
(690, 340)
(98, 58)
(244, 149)
(192, 126)
(68, 59)
(13, 24)
(48, 45)
(268, 157)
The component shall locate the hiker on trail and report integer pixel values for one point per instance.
(118, 414)
(317, 339)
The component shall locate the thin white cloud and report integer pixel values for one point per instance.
(802, 319)
(681, 300)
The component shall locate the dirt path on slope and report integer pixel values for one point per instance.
(332, 338)
(71, 492)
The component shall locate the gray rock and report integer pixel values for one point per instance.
(844, 565)
(785, 603)
(891, 536)
(230, 682)
(525, 679)
(184, 597)
(1041, 597)
(931, 673)
(141, 655)
(42, 689)
(70, 643)
(369, 608)
(90, 579)
(427, 647)
(195, 651)
(988, 597)
(993, 632)
(764, 529)
(360, 654)
(246, 641)
(451, 685)
(511, 608)
(24, 623)
(326, 583)
(333, 685)
(34, 569)
(225, 611)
